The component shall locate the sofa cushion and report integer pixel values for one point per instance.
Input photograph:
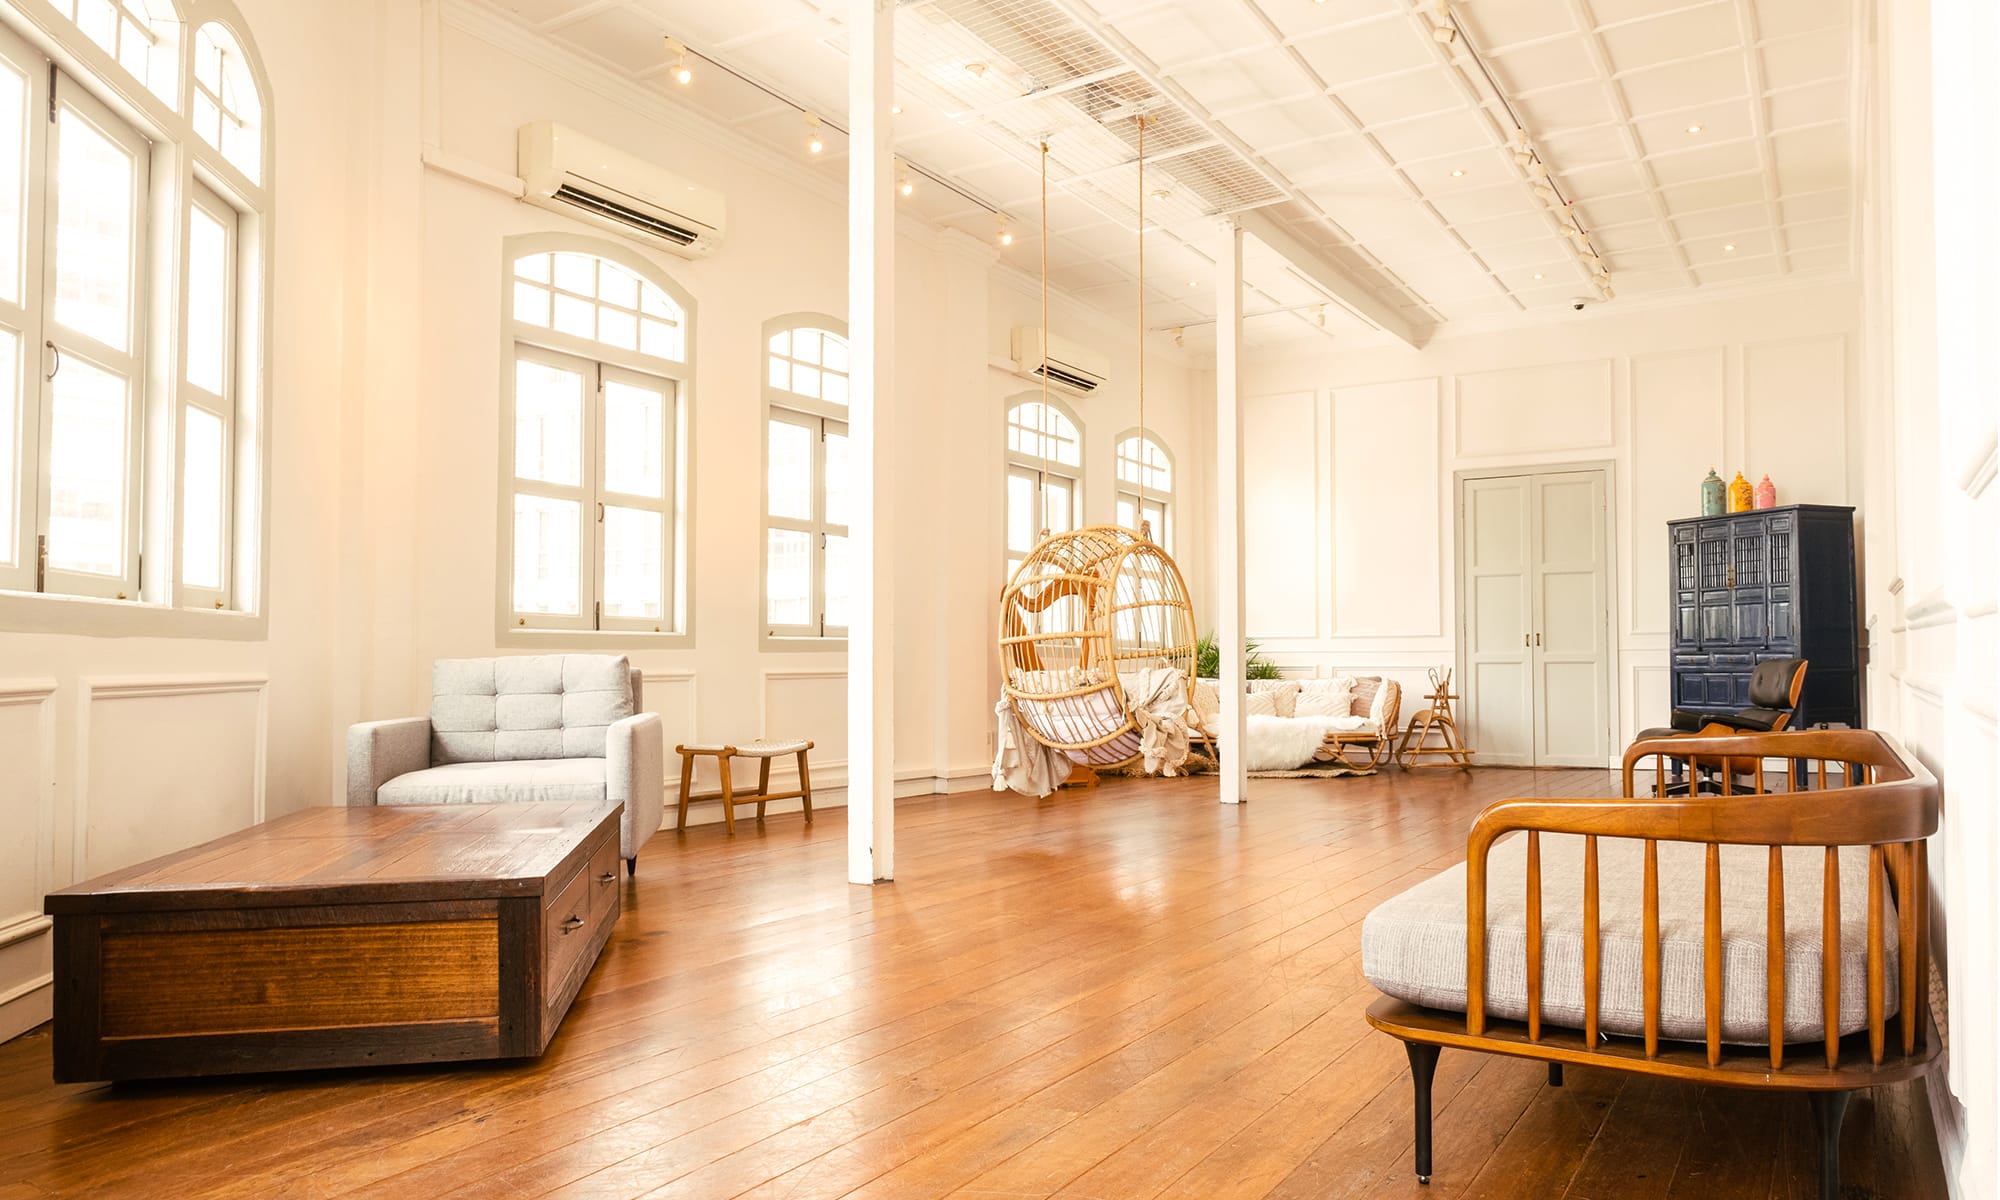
(1326, 697)
(498, 782)
(522, 707)
(1413, 945)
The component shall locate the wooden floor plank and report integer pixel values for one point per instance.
(1130, 992)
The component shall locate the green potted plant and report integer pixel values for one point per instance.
(1208, 660)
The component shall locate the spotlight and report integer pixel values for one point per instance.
(904, 186)
(1443, 35)
(1006, 235)
(1180, 337)
(682, 75)
(814, 143)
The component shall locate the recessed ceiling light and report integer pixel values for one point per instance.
(975, 69)
(1694, 129)
(905, 186)
(1729, 247)
(1458, 172)
(1538, 274)
(1193, 283)
(897, 109)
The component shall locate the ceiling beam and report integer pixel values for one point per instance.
(1338, 281)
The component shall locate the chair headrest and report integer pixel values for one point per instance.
(1771, 682)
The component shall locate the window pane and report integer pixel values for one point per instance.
(805, 346)
(662, 340)
(789, 471)
(615, 328)
(616, 285)
(1056, 505)
(1020, 513)
(94, 181)
(781, 343)
(533, 266)
(546, 555)
(837, 484)
(634, 440)
(548, 423)
(833, 388)
(836, 580)
(203, 477)
(87, 470)
(208, 301)
(634, 544)
(1126, 516)
(835, 353)
(781, 374)
(99, 22)
(805, 381)
(576, 317)
(13, 153)
(531, 304)
(788, 575)
(577, 273)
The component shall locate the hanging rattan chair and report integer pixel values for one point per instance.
(1086, 607)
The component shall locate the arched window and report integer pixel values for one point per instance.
(805, 476)
(593, 450)
(131, 425)
(1146, 486)
(227, 112)
(1044, 473)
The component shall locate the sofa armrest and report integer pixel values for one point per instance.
(635, 775)
(378, 751)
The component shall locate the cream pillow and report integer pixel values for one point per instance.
(1286, 691)
(1326, 697)
(1262, 704)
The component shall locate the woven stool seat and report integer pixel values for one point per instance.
(773, 749)
(763, 750)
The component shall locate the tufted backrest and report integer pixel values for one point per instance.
(528, 706)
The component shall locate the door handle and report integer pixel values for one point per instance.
(1526, 639)
(1538, 639)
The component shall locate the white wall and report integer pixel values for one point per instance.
(115, 749)
(1931, 255)
(1351, 503)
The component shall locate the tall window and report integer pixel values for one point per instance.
(805, 476)
(592, 453)
(1044, 474)
(1146, 486)
(128, 351)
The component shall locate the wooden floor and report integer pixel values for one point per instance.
(1126, 993)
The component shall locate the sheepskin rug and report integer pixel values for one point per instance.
(1283, 743)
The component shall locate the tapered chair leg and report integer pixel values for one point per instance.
(1423, 1068)
(1555, 1074)
(728, 795)
(763, 784)
(805, 784)
(687, 788)
(631, 866)
(1829, 1112)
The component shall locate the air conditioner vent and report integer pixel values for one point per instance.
(1068, 378)
(1075, 368)
(625, 215)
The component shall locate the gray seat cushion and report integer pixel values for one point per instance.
(498, 782)
(526, 706)
(1413, 946)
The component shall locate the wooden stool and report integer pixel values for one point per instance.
(1436, 719)
(763, 752)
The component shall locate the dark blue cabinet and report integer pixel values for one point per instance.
(1754, 586)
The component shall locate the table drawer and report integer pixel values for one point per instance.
(566, 926)
(602, 871)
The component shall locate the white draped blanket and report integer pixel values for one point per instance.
(1022, 763)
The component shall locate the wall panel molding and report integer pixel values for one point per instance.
(95, 690)
(1548, 408)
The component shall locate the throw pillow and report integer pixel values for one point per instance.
(1326, 697)
(1261, 704)
(1284, 691)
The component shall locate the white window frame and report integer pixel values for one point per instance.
(1022, 465)
(601, 362)
(821, 419)
(222, 406)
(147, 597)
(1159, 501)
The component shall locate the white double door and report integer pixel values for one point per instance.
(1535, 618)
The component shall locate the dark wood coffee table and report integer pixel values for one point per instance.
(337, 937)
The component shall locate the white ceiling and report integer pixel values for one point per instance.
(1342, 119)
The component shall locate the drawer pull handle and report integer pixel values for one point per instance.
(608, 877)
(572, 925)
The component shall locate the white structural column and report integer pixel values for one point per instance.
(871, 307)
(1229, 504)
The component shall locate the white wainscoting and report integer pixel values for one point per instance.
(126, 807)
(28, 775)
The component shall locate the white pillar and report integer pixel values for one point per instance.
(871, 307)
(1229, 504)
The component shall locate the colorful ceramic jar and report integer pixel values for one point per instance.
(1767, 494)
(1712, 494)
(1740, 494)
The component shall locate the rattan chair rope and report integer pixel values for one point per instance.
(1090, 603)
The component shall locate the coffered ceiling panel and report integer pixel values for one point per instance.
(1675, 129)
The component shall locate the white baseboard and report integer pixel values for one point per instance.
(24, 1007)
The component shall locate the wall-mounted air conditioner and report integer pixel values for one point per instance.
(1067, 365)
(584, 178)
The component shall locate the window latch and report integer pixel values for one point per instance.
(55, 359)
(41, 562)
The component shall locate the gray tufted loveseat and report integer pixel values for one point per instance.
(521, 728)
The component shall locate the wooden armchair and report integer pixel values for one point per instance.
(1836, 857)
